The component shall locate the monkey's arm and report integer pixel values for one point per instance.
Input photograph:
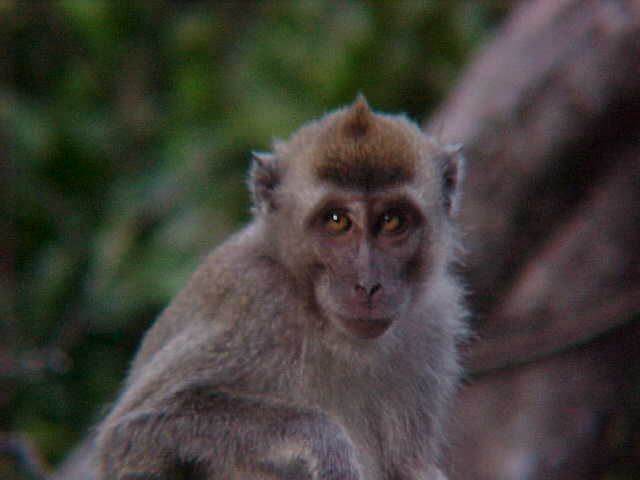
(204, 433)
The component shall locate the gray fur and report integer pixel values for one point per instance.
(245, 376)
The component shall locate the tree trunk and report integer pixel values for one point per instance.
(549, 113)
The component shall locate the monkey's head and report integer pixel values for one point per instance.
(358, 209)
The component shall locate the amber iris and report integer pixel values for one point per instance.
(336, 222)
(392, 223)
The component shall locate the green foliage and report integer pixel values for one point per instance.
(129, 127)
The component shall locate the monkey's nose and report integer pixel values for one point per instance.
(368, 291)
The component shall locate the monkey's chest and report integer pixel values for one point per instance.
(387, 431)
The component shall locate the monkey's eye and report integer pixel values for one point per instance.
(336, 222)
(392, 223)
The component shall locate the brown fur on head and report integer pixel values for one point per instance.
(364, 151)
(358, 149)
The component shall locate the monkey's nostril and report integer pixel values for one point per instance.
(367, 291)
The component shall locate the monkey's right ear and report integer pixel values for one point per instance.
(264, 177)
(454, 167)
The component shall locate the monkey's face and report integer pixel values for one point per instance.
(355, 206)
(368, 259)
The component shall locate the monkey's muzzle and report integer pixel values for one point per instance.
(366, 328)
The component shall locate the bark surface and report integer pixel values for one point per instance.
(549, 113)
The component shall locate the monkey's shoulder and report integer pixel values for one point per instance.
(235, 284)
(239, 277)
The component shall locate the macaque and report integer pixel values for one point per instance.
(319, 342)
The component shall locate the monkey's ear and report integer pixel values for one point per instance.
(264, 177)
(453, 175)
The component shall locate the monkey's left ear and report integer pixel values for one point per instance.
(453, 168)
(264, 177)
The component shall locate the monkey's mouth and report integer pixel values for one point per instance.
(366, 328)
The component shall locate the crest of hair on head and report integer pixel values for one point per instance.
(359, 117)
(364, 150)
